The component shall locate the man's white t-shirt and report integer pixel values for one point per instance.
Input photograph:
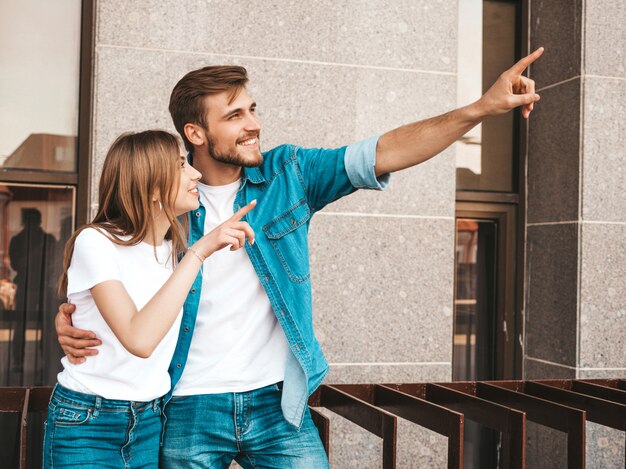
(115, 373)
(237, 344)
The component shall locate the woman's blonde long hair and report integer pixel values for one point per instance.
(137, 166)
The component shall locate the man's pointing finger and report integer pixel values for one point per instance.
(523, 64)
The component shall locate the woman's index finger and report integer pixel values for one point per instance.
(243, 211)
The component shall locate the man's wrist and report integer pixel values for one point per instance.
(476, 112)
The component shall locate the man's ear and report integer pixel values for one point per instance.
(194, 134)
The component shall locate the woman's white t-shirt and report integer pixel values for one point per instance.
(115, 373)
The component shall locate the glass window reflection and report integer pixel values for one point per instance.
(36, 222)
(39, 84)
(487, 42)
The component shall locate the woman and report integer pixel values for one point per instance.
(128, 273)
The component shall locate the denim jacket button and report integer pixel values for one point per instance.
(178, 365)
(293, 222)
(197, 214)
(193, 290)
(186, 329)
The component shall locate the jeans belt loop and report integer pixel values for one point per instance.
(98, 406)
(54, 390)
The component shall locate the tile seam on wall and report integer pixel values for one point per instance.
(548, 362)
(279, 59)
(581, 176)
(605, 77)
(384, 215)
(602, 222)
(558, 83)
(547, 223)
(582, 222)
(589, 368)
(389, 363)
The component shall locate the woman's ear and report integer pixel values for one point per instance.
(156, 196)
(194, 134)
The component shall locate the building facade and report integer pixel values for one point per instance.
(501, 258)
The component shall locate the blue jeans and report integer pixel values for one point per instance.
(211, 430)
(87, 431)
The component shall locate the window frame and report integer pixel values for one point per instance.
(504, 215)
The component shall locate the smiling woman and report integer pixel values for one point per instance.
(128, 274)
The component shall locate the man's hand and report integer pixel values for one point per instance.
(73, 341)
(511, 90)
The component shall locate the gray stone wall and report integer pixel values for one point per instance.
(575, 312)
(324, 73)
(329, 73)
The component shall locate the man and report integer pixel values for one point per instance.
(247, 358)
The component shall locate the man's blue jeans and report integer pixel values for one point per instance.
(211, 430)
(86, 431)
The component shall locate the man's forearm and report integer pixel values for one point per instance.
(414, 143)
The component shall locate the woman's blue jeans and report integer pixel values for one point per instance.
(211, 430)
(88, 431)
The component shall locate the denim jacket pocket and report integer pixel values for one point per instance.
(287, 234)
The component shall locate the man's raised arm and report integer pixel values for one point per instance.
(74, 342)
(414, 143)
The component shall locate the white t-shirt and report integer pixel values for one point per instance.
(115, 373)
(238, 344)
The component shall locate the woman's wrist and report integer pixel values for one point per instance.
(196, 254)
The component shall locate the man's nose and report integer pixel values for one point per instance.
(253, 123)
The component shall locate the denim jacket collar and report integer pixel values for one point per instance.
(253, 175)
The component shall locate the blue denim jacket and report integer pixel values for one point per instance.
(290, 186)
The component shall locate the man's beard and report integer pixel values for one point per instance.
(232, 157)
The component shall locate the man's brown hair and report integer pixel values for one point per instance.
(187, 99)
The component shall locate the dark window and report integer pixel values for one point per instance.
(475, 301)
